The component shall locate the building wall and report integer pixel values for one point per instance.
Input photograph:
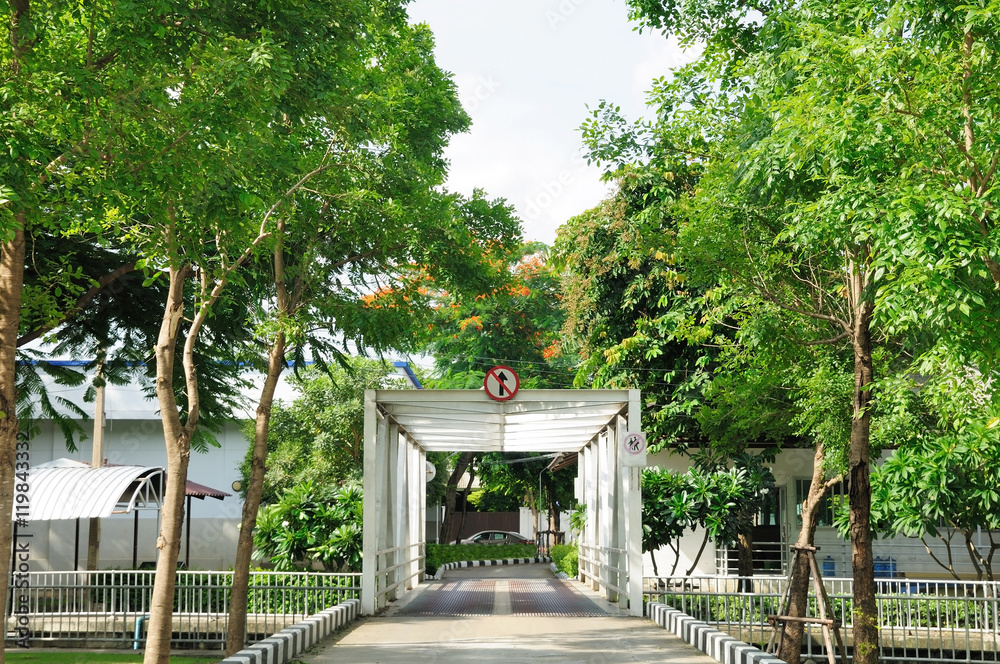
(902, 555)
(139, 441)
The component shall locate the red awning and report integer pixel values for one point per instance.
(200, 491)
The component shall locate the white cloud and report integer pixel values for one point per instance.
(526, 71)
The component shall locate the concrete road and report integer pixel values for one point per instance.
(502, 638)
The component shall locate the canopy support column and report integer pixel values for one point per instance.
(622, 570)
(633, 512)
(373, 481)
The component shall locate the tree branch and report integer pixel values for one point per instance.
(81, 303)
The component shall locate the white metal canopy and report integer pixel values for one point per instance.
(533, 421)
(401, 426)
(68, 489)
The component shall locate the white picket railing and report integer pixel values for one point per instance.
(919, 620)
(111, 607)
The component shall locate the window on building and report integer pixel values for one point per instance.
(827, 506)
(770, 509)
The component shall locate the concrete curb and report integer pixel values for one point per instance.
(488, 563)
(718, 645)
(291, 641)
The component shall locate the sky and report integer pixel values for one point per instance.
(526, 70)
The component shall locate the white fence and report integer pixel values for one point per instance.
(939, 621)
(110, 608)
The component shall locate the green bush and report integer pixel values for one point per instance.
(567, 558)
(439, 554)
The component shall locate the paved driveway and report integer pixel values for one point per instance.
(507, 615)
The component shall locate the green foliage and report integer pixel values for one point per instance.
(319, 437)
(438, 487)
(632, 314)
(439, 554)
(578, 519)
(515, 323)
(709, 495)
(516, 477)
(567, 558)
(943, 486)
(494, 501)
(312, 524)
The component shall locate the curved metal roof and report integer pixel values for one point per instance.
(67, 489)
(550, 420)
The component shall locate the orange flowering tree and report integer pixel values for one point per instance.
(517, 323)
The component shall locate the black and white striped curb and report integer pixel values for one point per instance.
(714, 643)
(291, 641)
(488, 563)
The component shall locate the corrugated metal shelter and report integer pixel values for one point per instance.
(67, 489)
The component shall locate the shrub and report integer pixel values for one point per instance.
(567, 558)
(439, 554)
(312, 523)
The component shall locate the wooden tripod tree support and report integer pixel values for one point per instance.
(825, 618)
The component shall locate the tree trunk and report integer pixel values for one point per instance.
(244, 548)
(859, 471)
(791, 646)
(238, 604)
(550, 503)
(533, 506)
(697, 558)
(177, 438)
(465, 503)
(744, 561)
(464, 459)
(11, 280)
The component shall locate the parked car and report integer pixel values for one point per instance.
(497, 537)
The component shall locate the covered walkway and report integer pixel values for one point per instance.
(507, 615)
(600, 427)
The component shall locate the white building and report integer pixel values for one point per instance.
(780, 525)
(134, 436)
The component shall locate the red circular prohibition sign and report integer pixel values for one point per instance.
(501, 383)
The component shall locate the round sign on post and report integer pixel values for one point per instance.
(634, 446)
(501, 383)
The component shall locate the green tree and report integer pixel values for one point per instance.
(943, 482)
(319, 437)
(351, 252)
(526, 479)
(632, 314)
(515, 323)
(722, 499)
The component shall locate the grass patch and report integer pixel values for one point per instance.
(70, 657)
(439, 554)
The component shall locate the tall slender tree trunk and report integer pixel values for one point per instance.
(550, 504)
(859, 470)
(744, 560)
(791, 646)
(244, 548)
(533, 506)
(11, 280)
(465, 503)
(177, 438)
(238, 604)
